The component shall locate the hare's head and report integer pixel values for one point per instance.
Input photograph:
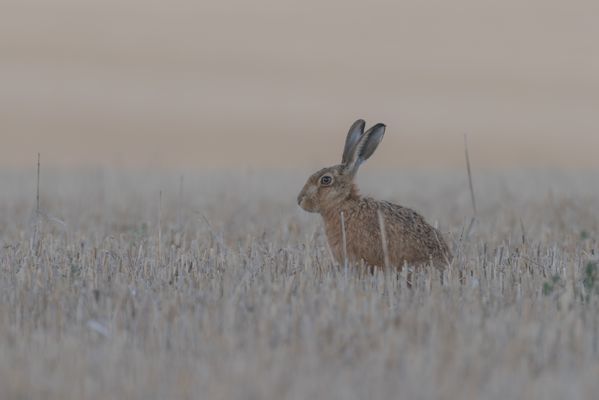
(331, 186)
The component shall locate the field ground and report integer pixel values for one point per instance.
(221, 288)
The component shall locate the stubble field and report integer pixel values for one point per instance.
(215, 285)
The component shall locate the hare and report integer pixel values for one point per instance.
(361, 229)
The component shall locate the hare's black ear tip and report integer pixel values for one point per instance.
(380, 125)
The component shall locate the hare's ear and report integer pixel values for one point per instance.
(353, 136)
(365, 147)
(373, 138)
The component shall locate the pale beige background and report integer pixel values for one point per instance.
(276, 83)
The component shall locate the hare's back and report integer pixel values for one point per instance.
(411, 239)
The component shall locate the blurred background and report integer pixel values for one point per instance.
(265, 83)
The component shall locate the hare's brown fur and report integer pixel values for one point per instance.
(409, 238)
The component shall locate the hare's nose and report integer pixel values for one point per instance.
(300, 198)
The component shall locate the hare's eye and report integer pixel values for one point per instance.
(326, 180)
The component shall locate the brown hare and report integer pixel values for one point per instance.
(361, 229)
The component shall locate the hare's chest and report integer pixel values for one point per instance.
(354, 239)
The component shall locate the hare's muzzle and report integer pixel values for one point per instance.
(302, 201)
(300, 198)
(305, 199)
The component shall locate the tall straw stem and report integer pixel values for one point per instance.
(37, 207)
(344, 236)
(383, 238)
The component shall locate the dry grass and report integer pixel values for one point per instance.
(240, 298)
